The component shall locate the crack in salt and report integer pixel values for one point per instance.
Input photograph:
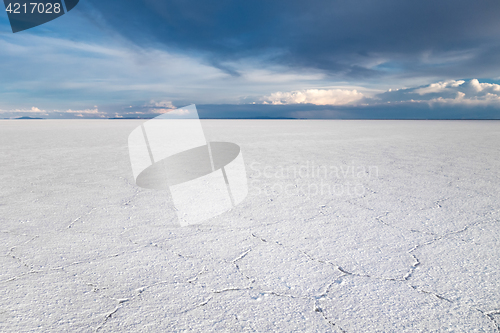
(489, 315)
(106, 318)
(417, 261)
(316, 299)
(437, 203)
(231, 289)
(134, 195)
(79, 218)
(205, 302)
(195, 278)
(11, 254)
(234, 262)
(318, 309)
(380, 219)
(429, 293)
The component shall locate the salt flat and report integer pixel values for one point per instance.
(349, 226)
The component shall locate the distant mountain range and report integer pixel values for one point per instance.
(23, 118)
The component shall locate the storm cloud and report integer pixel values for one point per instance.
(358, 39)
(257, 59)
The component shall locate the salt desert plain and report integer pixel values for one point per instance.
(349, 226)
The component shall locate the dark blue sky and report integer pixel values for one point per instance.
(321, 59)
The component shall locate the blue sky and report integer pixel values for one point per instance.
(295, 59)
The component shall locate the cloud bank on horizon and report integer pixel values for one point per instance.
(340, 59)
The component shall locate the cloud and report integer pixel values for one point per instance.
(462, 100)
(32, 110)
(315, 96)
(97, 72)
(151, 110)
(439, 87)
(351, 39)
(480, 87)
(473, 87)
(159, 107)
(114, 71)
(95, 110)
(440, 100)
(453, 93)
(180, 112)
(194, 51)
(86, 113)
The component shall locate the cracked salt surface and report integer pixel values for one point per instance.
(83, 249)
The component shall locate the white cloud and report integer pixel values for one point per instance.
(160, 107)
(180, 111)
(471, 93)
(100, 72)
(315, 96)
(116, 70)
(163, 107)
(461, 99)
(86, 112)
(439, 87)
(478, 87)
(163, 104)
(454, 93)
(471, 88)
(95, 110)
(33, 109)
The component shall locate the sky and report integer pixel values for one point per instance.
(340, 59)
